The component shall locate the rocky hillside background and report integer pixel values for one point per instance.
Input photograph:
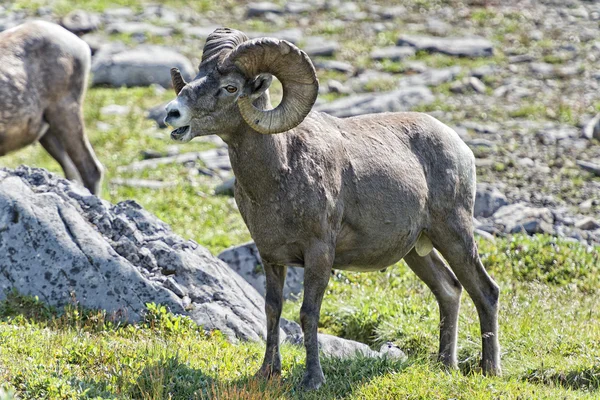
(518, 81)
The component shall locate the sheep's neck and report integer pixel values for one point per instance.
(259, 163)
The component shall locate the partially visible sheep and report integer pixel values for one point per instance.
(43, 76)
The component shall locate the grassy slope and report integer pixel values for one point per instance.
(550, 323)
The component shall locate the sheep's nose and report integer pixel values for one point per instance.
(173, 114)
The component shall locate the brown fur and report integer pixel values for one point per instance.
(352, 194)
(43, 78)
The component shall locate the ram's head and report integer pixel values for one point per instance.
(232, 88)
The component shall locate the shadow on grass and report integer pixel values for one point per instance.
(586, 379)
(170, 379)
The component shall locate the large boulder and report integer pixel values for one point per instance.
(246, 261)
(61, 243)
(115, 65)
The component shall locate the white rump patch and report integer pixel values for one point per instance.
(423, 245)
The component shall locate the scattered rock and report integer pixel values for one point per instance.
(115, 109)
(392, 352)
(590, 167)
(262, 8)
(200, 32)
(334, 86)
(398, 100)
(113, 257)
(393, 53)
(333, 346)
(333, 65)
(80, 22)
(488, 200)
(587, 224)
(141, 66)
(293, 35)
(591, 129)
(158, 114)
(138, 28)
(454, 46)
(316, 46)
(142, 183)
(520, 217)
(430, 77)
(245, 260)
(226, 188)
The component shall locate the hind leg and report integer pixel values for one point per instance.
(66, 122)
(447, 290)
(55, 148)
(455, 241)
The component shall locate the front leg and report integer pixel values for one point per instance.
(275, 275)
(318, 261)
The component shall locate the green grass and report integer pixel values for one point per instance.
(549, 333)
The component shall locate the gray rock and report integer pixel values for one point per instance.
(80, 22)
(454, 46)
(370, 79)
(226, 188)
(142, 66)
(216, 159)
(334, 86)
(393, 53)
(262, 8)
(245, 260)
(589, 166)
(587, 224)
(158, 114)
(430, 77)
(334, 65)
(520, 217)
(62, 243)
(294, 7)
(398, 100)
(142, 183)
(200, 32)
(139, 28)
(392, 352)
(488, 199)
(293, 35)
(316, 46)
(591, 129)
(520, 58)
(335, 347)
(293, 332)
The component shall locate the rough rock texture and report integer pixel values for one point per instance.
(245, 260)
(487, 200)
(522, 218)
(454, 46)
(61, 242)
(142, 66)
(398, 100)
(80, 22)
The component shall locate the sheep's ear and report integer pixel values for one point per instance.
(257, 86)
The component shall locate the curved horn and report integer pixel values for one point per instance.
(177, 79)
(294, 70)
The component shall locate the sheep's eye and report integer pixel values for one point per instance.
(231, 89)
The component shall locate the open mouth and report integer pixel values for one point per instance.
(180, 132)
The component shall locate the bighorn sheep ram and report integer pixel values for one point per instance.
(320, 192)
(43, 77)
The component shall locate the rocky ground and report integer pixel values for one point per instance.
(517, 80)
